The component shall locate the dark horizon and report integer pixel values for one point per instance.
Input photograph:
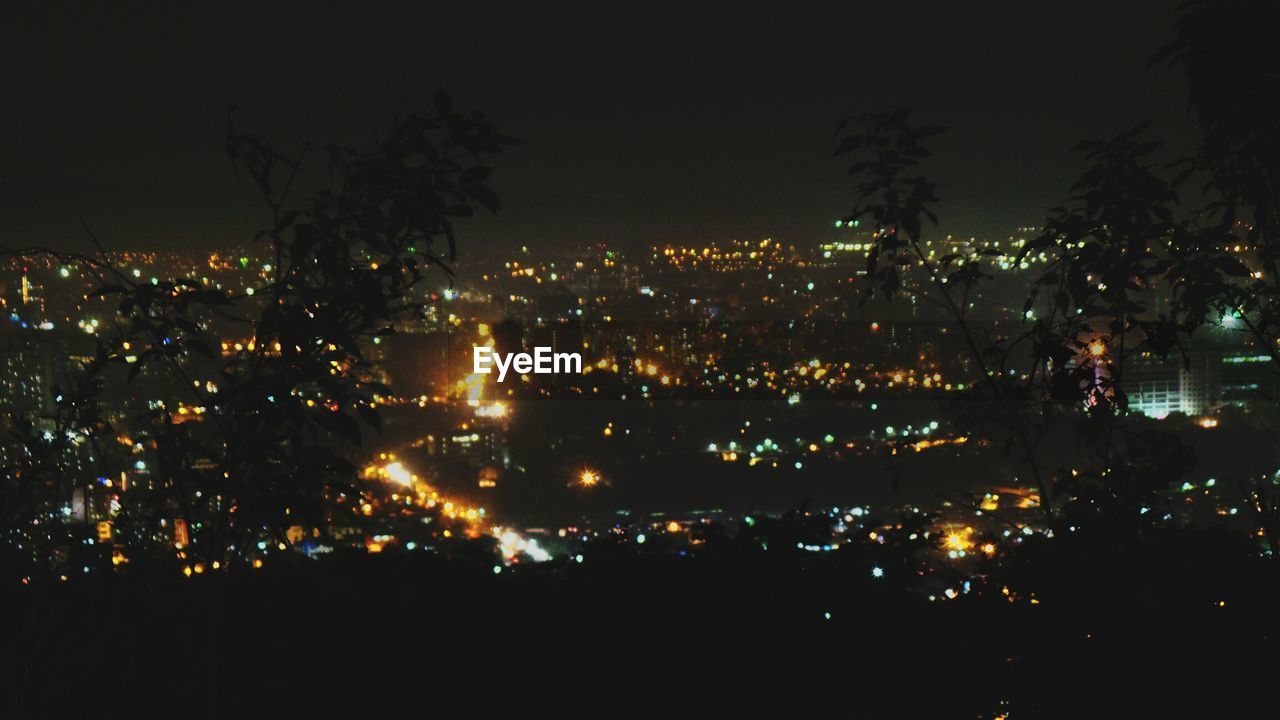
(640, 128)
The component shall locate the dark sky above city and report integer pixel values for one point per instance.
(640, 124)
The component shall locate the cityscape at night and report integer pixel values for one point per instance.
(613, 368)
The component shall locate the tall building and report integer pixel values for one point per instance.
(1190, 384)
(424, 363)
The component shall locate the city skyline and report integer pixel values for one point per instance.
(639, 346)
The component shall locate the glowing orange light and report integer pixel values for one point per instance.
(958, 540)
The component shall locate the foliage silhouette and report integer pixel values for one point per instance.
(284, 408)
(1134, 268)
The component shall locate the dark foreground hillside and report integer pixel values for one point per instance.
(1115, 635)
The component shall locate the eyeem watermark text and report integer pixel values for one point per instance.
(543, 361)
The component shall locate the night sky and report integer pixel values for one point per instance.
(642, 125)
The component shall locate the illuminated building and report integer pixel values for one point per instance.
(1190, 384)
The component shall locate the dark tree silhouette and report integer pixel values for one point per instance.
(283, 410)
(1134, 266)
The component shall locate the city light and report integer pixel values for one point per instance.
(492, 410)
(957, 543)
(397, 473)
(325, 421)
